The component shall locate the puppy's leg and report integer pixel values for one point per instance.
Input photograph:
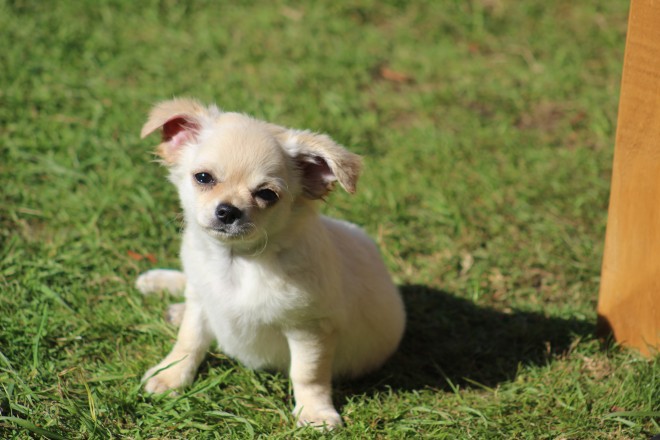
(164, 280)
(161, 280)
(311, 376)
(178, 368)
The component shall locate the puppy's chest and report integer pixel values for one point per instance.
(254, 294)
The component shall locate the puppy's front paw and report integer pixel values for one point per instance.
(159, 385)
(172, 376)
(161, 280)
(320, 418)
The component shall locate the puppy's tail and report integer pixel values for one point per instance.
(161, 280)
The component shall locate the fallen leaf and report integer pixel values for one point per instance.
(392, 75)
(135, 256)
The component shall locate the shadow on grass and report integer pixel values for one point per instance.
(452, 340)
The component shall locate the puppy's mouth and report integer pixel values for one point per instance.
(231, 232)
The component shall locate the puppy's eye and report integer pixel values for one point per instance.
(267, 195)
(204, 178)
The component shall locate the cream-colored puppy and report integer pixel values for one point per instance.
(277, 285)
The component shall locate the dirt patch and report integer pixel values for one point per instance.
(545, 116)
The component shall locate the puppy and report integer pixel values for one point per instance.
(277, 285)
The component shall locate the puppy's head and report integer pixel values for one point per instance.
(241, 180)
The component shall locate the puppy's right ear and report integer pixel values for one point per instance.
(179, 120)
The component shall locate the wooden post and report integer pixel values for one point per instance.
(629, 300)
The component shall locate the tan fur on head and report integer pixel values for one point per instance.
(321, 160)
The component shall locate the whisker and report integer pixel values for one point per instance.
(265, 239)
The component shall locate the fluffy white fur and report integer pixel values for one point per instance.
(281, 287)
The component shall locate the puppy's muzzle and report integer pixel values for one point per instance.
(227, 214)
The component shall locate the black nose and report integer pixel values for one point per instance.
(227, 214)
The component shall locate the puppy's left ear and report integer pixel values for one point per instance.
(322, 162)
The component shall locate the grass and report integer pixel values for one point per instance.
(487, 129)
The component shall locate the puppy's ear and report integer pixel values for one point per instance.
(322, 162)
(179, 120)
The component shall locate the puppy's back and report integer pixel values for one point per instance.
(374, 308)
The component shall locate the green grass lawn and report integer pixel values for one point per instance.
(487, 128)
